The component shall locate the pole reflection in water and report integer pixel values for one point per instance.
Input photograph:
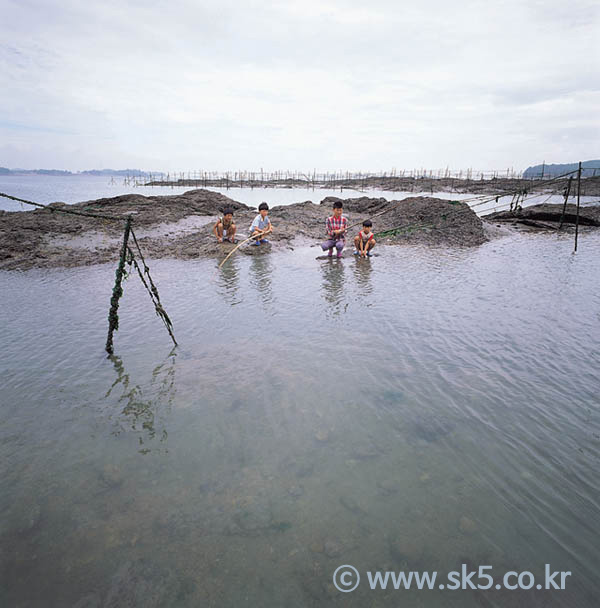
(144, 410)
(333, 286)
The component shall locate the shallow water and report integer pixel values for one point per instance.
(418, 410)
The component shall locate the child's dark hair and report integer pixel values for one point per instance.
(228, 211)
(264, 206)
(338, 205)
(367, 223)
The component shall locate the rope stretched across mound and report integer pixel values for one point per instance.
(126, 257)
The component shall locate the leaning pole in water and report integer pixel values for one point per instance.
(578, 197)
(113, 317)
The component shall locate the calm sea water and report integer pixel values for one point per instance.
(417, 411)
(76, 188)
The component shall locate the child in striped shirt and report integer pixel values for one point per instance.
(364, 241)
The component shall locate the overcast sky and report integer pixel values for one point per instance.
(358, 85)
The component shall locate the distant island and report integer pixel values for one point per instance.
(589, 168)
(101, 172)
(121, 172)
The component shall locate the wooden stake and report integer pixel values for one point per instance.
(567, 191)
(113, 317)
(578, 195)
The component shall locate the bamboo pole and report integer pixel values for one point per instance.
(578, 196)
(567, 191)
(254, 236)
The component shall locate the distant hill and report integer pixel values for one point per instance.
(5, 171)
(589, 168)
(50, 172)
(120, 172)
(108, 172)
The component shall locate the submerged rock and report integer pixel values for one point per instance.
(349, 503)
(111, 476)
(296, 491)
(365, 451)
(332, 548)
(392, 397)
(430, 428)
(31, 516)
(303, 467)
(314, 589)
(252, 519)
(388, 487)
(322, 435)
(405, 551)
(21, 519)
(91, 600)
(467, 526)
(142, 583)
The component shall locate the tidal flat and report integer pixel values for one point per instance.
(180, 226)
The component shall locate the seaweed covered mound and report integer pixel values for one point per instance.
(432, 221)
(180, 226)
(418, 219)
(152, 209)
(361, 204)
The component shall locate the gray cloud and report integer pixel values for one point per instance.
(297, 84)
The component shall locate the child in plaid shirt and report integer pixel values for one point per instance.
(336, 225)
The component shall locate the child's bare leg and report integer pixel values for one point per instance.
(219, 232)
(231, 233)
(356, 240)
(370, 245)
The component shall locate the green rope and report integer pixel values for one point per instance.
(114, 218)
(151, 289)
(402, 229)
